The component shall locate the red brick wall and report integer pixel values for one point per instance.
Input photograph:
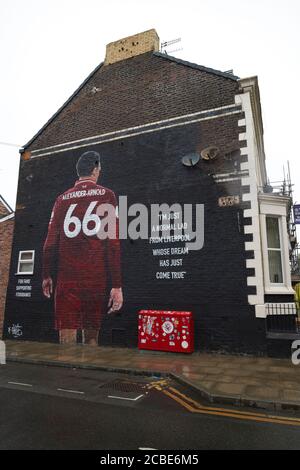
(3, 210)
(6, 235)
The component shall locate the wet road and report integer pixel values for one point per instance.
(58, 408)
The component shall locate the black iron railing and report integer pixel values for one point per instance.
(282, 318)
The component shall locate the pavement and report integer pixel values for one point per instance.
(259, 382)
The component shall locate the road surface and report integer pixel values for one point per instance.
(59, 408)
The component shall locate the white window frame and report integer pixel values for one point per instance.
(275, 206)
(20, 261)
(280, 221)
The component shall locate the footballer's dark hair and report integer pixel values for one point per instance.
(87, 162)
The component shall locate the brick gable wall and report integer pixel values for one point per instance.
(133, 92)
(3, 210)
(6, 236)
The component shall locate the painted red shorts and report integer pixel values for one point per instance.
(78, 306)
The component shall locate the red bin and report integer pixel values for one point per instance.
(161, 330)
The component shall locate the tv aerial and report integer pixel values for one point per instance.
(166, 44)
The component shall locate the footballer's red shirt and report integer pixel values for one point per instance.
(72, 239)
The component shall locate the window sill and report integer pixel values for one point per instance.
(281, 290)
(24, 274)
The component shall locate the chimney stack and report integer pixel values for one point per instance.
(132, 46)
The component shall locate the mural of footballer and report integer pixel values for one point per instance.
(84, 262)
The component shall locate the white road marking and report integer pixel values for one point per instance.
(19, 383)
(70, 391)
(124, 398)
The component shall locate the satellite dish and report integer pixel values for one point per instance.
(190, 159)
(210, 153)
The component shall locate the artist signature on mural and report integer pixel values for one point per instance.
(15, 330)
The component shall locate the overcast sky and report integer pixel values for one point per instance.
(48, 47)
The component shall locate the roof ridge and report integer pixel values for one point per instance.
(196, 66)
